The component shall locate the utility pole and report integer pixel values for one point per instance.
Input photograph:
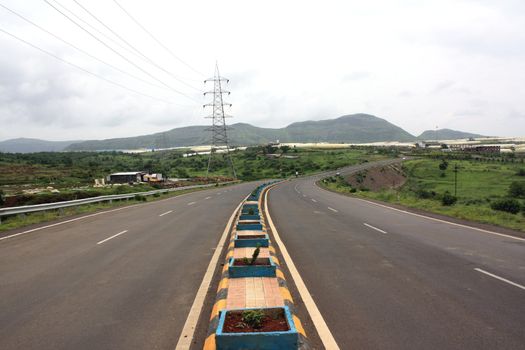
(219, 135)
(456, 180)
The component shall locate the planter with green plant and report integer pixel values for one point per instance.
(254, 267)
(256, 328)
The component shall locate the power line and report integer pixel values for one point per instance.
(144, 57)
(83, 69)
(154, 38)
(79, 49)
(118, 53)
(94, 28)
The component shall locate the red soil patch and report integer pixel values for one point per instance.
(378, 178)
(258, 262)
(273, 321)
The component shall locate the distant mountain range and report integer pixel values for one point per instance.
(356, 128)
(446, 134)
(24, 145)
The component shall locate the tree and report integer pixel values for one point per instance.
(2, 198)
(443, 165)
(285, 149)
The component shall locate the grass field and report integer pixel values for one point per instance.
(478, 186)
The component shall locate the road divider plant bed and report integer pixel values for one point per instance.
(263, 267)
(261, 328)
(252, 240)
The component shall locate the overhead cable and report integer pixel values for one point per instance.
(83, 69)
(118, 53)
(154, 38)
(142, 55)
(80, 50)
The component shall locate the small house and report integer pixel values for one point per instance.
(126, 177)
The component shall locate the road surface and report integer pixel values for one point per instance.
(120, 280)
(384, 279)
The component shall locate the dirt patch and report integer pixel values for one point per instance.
(378, 178)
(258, 262)
(273, 320)
(250, 236)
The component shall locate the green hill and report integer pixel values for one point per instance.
(26, 145)
(356, 128)
(446, 134)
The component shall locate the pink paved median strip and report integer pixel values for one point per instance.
(239, 253)
(253, 292)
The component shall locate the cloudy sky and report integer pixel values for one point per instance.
(419, 64)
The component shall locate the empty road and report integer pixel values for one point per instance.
(125, 279)
(384, 279)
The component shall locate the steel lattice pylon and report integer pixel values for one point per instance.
(219, 131)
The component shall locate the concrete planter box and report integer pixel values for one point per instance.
(249, 217)
(257, 340)
(251, 241)
(249, 225)
(247, 211)
(252, 270)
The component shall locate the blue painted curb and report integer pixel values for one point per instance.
(252, 270)
(247, 211)
(251, 242)
(251, 227)
(257, 340)
(249, 217)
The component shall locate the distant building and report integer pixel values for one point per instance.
(126, 177)
(476, 148)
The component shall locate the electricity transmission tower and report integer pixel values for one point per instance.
(219, 135)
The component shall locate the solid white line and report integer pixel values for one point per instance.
(166, 213)
(191, 203)
(296, 190)
(107, 239)
(313, 200)
(320, 325)
(207, 198)
(188, 331)
(332, 209)
(500, 278)
(439, 220)
(374, 228)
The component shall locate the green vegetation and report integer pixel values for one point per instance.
(76, 170)
(255, 254)
(484, 190)
(253, 318)
(508, 204)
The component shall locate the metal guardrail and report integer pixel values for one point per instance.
(76, 202)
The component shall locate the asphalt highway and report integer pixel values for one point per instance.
(385, 279)
(125, 279)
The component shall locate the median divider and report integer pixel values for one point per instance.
(253, 307)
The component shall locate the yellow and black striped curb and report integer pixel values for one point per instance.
(222, 290)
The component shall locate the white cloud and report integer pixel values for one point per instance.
(456, 64)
